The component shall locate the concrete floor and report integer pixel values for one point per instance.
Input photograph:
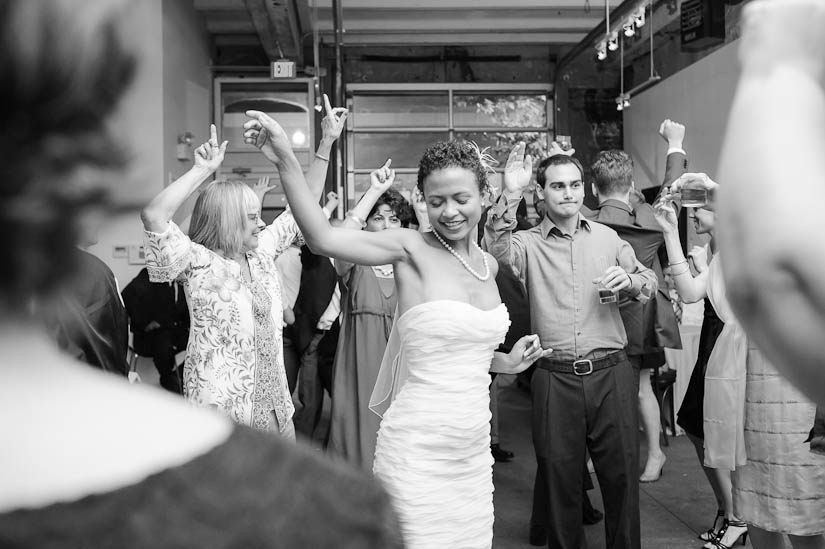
(673, 510)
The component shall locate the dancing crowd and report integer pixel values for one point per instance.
(403, 312)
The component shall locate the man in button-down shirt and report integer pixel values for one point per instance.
(583, 396)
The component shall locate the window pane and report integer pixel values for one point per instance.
(500, 143)
(288, 104)
(371, 150)
(499, 110)
(400, 110)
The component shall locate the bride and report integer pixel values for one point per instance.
(433, 450)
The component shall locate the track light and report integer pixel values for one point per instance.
(629, 29)
(626, 102)
(613, 41)
(601, 51)
(639, 16)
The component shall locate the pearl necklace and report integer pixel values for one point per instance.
(472, 271)
(386, 271)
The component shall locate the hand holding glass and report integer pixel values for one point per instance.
(606, 295)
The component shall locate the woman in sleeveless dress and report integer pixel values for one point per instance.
(369, 302)
(755, 424)
(691, 414)
(433, 455)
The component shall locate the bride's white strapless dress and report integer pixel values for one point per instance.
(433, 450)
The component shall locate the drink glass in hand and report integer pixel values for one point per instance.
(606, 295)
(564, 142)
(693, 192)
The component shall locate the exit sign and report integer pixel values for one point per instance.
(282, 69)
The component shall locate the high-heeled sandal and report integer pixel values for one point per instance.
(734, 531)
(713, 532)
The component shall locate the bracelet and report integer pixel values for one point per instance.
(687, 270)
(677, 263)
(352, 215)
(322, 157)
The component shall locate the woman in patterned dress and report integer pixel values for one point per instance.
(234, 360)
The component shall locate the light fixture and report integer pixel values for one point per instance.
(629, 29)
(613, 41)
(639, 16)
(601, 51)
(299, 138)
(623, 99)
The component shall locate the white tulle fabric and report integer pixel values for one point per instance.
(433, 450)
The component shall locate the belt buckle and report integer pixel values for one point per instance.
(582, 372)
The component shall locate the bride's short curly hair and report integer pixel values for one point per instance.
(456, 154)
(64, 66)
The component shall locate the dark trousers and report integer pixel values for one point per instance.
(310, 389)
(292, 363)
(538, 517)
(162, 346)
(596, 413)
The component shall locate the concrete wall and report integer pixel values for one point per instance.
(700, 97)
(170, 96)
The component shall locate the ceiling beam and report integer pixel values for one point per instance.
(276, 23)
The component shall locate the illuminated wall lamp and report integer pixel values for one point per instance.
(601, 51)
(613, 41)
(629, 29)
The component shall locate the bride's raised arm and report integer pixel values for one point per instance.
(362, 247)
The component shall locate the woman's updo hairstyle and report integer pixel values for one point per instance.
(63, 67)
(457, 154)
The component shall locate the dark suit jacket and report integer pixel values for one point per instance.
(147, 301)
(653, 325)
(318, 280)
(89, 321)
(650, 326)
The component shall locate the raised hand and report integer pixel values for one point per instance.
(519, 170)
(210, 155)
(556, 148)
(264, 132)
(261, 187)
(333, 123)
(332, 201)
(665, 214)
(525, 352)
(672, 132)
(382, 178)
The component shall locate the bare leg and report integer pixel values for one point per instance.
(699, 447)
(649, 414)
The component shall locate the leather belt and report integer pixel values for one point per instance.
(583, 367)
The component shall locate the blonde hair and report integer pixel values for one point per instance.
(219, 217)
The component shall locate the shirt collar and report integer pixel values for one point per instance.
(547, 225)
(612, 202)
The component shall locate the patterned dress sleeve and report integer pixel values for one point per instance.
(279, 235)
(168, 254)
